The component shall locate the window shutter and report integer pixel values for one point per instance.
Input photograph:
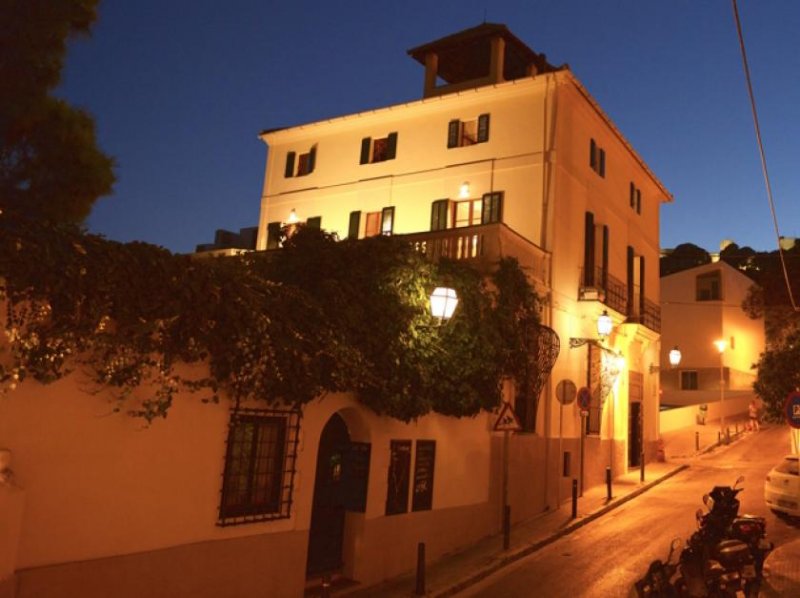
(365, 143)
(273, 235)
(602, 164)
(483, 128)
(314, 222)
(453, 129)
(312, 159)
(289, 171)
(588, 250)
(630, 279)
(633, 195)
(638, 201)
(592, 154)
(391, 150)
(492, 208)
(641, 286)
(605, 257)
(387, 221)
(439, 214)
(355, 225)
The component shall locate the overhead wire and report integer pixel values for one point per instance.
(762, 154)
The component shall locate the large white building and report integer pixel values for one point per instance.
(504, 155)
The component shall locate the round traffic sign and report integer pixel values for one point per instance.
(566, 392)
(792, 409)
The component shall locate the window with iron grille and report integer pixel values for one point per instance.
(259, 466)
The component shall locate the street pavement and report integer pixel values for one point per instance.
(459, 571)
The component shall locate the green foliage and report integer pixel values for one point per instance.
(280, 327)
(778, 375)
(50, 165)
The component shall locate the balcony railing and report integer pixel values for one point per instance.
(612, 292)
(485, 244)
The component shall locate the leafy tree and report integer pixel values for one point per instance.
(683, 257)
(50, 165)
(778, 375)
(279, 327)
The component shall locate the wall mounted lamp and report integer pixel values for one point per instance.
(674, 357)
(604, 326)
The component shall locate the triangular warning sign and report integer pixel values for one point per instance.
(507, 420)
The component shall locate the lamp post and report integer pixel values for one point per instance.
(721, 345)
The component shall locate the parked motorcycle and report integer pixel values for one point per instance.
(726, 554)
(656, 582)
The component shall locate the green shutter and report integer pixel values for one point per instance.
(453, 129)
(602, 164)
(592, 154)
(365, 143)
(483, 128)
(492, 207)
(355, 225)
(391, 150)
(273, 235)
(289, 170)
(439, 214)
(588, 250)
(312, 159)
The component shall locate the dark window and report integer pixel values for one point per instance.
(354, 226)
(304, 163)
(592, 155)
(399, 476)
(259, 466)
(314, 222)
(709, 286)
(439, 212)
(273, 235)
(689, 380)
(492, 209)
(378, 150)
(424, 461)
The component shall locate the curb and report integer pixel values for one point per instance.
(527, 550)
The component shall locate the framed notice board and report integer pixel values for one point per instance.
(399, 476)
(424, 461)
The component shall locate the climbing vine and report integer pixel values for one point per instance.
(320, 315)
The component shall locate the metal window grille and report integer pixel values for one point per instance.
(260, 465)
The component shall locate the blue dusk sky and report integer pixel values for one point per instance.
(180, 91)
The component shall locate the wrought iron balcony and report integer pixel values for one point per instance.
(484, 244)
(612, 292)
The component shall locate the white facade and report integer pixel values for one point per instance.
(699, 306)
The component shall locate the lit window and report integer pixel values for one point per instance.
(380, 223)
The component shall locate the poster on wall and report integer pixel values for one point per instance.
(422, 499)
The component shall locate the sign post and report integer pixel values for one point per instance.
(584, 400)
(506, 423)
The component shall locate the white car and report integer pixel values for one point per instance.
(782, 488)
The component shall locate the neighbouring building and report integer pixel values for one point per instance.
(503, 155)
(230, 243)
(700, 306)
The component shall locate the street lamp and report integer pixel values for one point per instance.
(604, 326)
(443, 302)
(674, 357)
(721, 345)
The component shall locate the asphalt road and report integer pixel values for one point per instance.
(604, 558)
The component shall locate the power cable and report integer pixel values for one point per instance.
(762, 154)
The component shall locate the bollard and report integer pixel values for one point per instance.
(641, 473)
(727, 435)
(326, 586)
(608, 483)
(506, 527)
(574, 498)
(719, 438)
(697, 442)
(420, 589)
